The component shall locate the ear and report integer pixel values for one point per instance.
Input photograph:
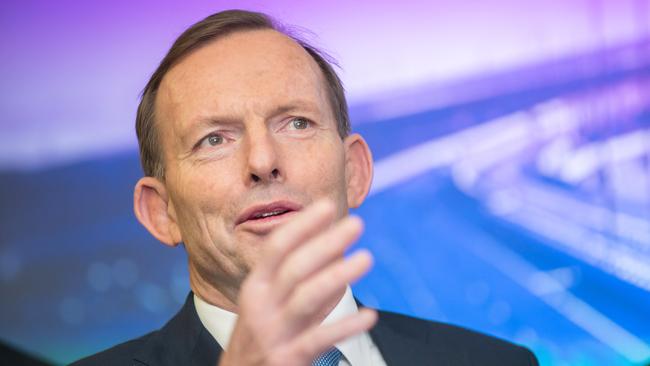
(358, 169)
(155, 212)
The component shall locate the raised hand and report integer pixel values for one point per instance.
(300, 279)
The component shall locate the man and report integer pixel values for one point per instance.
(249, 162)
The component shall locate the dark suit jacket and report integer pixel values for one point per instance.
(402, 340)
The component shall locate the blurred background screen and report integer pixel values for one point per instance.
(512, 184)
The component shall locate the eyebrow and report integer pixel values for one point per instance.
(214, 121)
(298, 104)
(294, 105)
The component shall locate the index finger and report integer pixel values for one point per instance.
(307, 223)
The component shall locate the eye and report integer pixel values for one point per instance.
(214, 140)
(211, 140)
(299, 123)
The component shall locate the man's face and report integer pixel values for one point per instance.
(246, 129)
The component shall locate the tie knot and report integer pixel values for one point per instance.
(330, 357)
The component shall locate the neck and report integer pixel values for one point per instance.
(226, 297)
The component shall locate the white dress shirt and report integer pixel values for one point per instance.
(359, 350)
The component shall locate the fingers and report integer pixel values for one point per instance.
(319, 338)
(310, 302)
(288, 294)
(304, 225)
(308, 259)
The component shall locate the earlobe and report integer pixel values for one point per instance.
(150, 204)
(358, 169)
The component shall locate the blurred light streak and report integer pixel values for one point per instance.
(522, 272)
(554, 294)
(488, 162)
(483, 144)
(445, 151)
(587, 160)
(476, 147)
(620, 258)
(634, 228)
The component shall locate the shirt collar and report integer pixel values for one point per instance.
(220, 324)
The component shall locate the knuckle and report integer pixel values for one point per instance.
(299, 306)
(293, 272)
(342, 271)
(303, 351)
(277, 358)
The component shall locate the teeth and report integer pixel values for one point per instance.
(267, 214)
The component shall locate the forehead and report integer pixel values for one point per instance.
(244, 71)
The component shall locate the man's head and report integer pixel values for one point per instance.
(241, 121)
(206, 31)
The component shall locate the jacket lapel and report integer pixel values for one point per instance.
(182, 341)
(405, 341)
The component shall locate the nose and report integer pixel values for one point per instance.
(262, 158)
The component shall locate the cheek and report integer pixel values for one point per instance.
(207, 184)
(321, 167)
(202, 200)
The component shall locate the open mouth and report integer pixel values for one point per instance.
(267, 212)
(263, 215)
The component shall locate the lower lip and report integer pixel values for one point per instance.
(265, 225)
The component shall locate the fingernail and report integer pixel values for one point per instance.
(364, 255)
(369, 315)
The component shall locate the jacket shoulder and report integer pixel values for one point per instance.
(121, 354)
(181, 341)
(477, 347)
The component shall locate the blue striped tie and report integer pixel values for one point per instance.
(328, 358)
